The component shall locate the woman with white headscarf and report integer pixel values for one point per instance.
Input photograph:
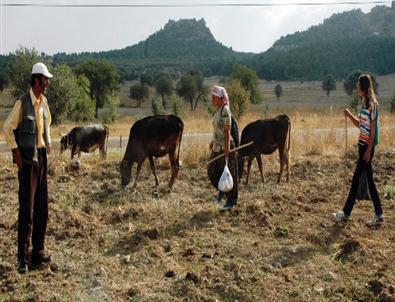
(222, 143)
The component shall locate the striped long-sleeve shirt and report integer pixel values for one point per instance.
(366, 116)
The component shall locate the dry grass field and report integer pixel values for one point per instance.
(149, 244)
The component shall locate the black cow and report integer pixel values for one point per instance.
(85, 139)
(268, 136)
(153, 136)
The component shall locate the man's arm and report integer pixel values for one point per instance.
(10, 124)
(48, 130)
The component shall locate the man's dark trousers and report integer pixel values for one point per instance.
(33, 207)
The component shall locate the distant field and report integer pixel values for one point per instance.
(296, 94)
(305, 102)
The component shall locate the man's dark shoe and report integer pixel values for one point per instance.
(39, 259)
(22, 268)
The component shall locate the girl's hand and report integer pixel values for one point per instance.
(347, 113)
(367, 155)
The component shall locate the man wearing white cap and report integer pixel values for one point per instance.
(27, 134)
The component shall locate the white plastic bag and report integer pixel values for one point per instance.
(225, 183)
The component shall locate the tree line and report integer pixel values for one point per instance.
(78, 93)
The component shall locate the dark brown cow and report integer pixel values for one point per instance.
(153, 136)
(85, 139)
(268, 136)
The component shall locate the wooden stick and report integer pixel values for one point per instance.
(346, 137)
(345, 156)
(230, 151)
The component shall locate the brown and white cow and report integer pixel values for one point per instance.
(268, 135)
(85, 139)
(153, 136)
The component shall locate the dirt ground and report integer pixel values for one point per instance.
(149, 244)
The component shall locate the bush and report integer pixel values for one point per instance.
(266, 112)
(350, 83)
(157, 107)
(278, 91)
(238, 97)
(139, 92)
(177, 106)
(4, 81)
(110, 110)
(68, 96)
(20, 70)
(355, 101)
(393, 104)
(249, 81)
(84, 109)
(328, 84)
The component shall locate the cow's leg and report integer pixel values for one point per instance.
(73, 149)
(287, 163)
(281, 153)
(103, 152)
(153, 169)
(259, 160)
(174, 167)
(250, 158)
(139, 164)
(78, 151)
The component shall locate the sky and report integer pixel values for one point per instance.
(65, 29)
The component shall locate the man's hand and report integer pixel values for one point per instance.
(17, 157)
(226, 151)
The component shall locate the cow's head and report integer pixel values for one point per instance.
(126, 172)
(64, 142)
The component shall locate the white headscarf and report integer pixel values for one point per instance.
(220, 92)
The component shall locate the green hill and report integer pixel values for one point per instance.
(342, 43)
(179, 46)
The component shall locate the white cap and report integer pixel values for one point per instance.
(40, 68)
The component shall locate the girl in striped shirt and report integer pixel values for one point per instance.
(368, 139)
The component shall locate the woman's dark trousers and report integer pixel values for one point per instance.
(361, 167)
(215, 170)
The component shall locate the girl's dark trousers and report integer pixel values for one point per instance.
(215, 170)
(361, 167)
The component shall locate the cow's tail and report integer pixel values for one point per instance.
(179, 144)
(289, 135)
(107, 135)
